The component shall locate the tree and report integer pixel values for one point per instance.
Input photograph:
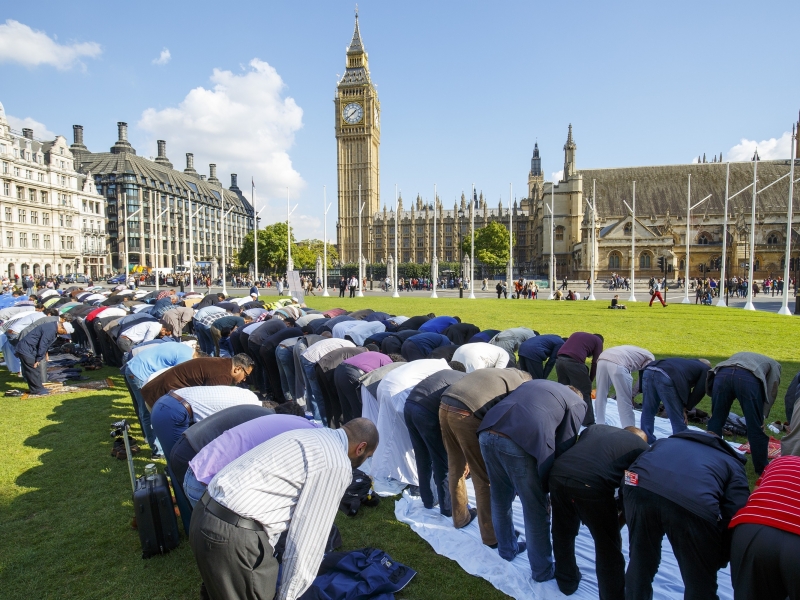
(272, 249)
(491, 245)
(305, 254)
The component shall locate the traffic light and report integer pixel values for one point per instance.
(661, 261)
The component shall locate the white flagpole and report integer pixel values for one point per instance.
(396, 293)
(749, 305)
(435, 261)
(360, 293)
(785, 305)
(255, 233)
(552, 245)
(722, 274)
(593, 258)
(510, 275)
(325, 245)
(632, 297)
(472, 257)
(688, 233)
(191, 248)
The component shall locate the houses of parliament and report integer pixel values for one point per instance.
(661, 207)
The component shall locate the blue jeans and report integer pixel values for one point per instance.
(512, 471)
(299, 377)
(225, 347)
(314, 399)
(135, 384)
(735, 383)
(430, 455)
(193, 489)
(658, 388)
(170, 420)
(204, 338)
(12, 362)
(285, 360)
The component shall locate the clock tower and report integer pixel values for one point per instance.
(358, 139)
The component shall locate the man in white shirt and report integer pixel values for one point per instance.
(615, 366)
(481, 355)
(173, 413)
(294, 483)
(143, 332)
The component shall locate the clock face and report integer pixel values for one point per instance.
(353, 113)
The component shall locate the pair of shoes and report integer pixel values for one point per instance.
(13, 393)
(156, 455)
(473, 514)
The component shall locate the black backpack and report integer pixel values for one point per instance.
(358, 493)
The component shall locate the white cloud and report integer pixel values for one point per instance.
(772, 149)
(244, 125)
(557, 176)
(306, 227)
(163, 58)
(21, 44)
(40, 131)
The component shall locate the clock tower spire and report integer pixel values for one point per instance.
(357, 125)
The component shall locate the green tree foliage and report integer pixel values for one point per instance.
(491, 245)
(272, 251)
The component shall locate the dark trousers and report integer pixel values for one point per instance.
(352, 291)
(259, 373)
(234, 562)
(341, 292)
(345, 378)
(764, 563)
(270, 364)
(574, 373)
(429, 453)
(572, 504)
(182, 453)
(34, 376)
(538, 369)
(735, 383)
(698, 545)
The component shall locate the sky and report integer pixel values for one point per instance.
(466, 89)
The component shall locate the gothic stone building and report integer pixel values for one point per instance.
(158, 199)
(661, 206)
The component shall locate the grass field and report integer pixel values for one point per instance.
(65, 505)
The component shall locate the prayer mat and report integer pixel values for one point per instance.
(56, 389)
(514, 578)
(773, 450)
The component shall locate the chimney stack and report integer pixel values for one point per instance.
(27, 133)
(212, 173)
(189, 170)
(77, 136)
(162, 159)
(122, 145)
(234, 183)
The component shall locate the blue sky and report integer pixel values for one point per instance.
(465, 88)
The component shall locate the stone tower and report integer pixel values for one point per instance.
(536, 175)
(357, 118)
(569, 156)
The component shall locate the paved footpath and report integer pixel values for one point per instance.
(602, 294)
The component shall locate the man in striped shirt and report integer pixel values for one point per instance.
(765, 552)
(293, 482)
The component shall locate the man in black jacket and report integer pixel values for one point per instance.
(32, 352)
(582, 486)
(680, 383)
(688, 486)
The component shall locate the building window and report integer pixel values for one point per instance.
(6, 188)
(46, 240)
(8, 214)
(43, 197)
(21, 215)
(448, 228)
(644, 261)
(627, 229)
(420, 243)
(32, 195)
(448, 241)
(559, 233)
(20, 193)
(614, 260)
(406, 229)
(45, 218)
(773, 239)
(419, 229)
(10, 239)
(23, 240)
(704, 239)
(63, 242)
(34, 240)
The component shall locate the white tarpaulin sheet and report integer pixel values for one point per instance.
(514, 578)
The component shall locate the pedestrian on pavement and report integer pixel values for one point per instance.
(656, 293)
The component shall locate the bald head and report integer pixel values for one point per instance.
(362, 440)
(637, 431)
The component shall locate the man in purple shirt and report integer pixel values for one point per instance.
(231, 445)
(346, 379)
(571, 366)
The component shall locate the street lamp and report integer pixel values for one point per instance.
(325, 245)
(592, 260)
(472, 254)
(434, 259)
(224, 216)
(787, 258)
(396, 293)
(633, 245)
(360, 293)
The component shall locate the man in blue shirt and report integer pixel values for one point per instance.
(422, 344)
(32, 352)
(438, 324)
(687, 486)
(520, 437)
(538, 350)
(141, 367)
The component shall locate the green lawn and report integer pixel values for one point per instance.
(65, 505)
